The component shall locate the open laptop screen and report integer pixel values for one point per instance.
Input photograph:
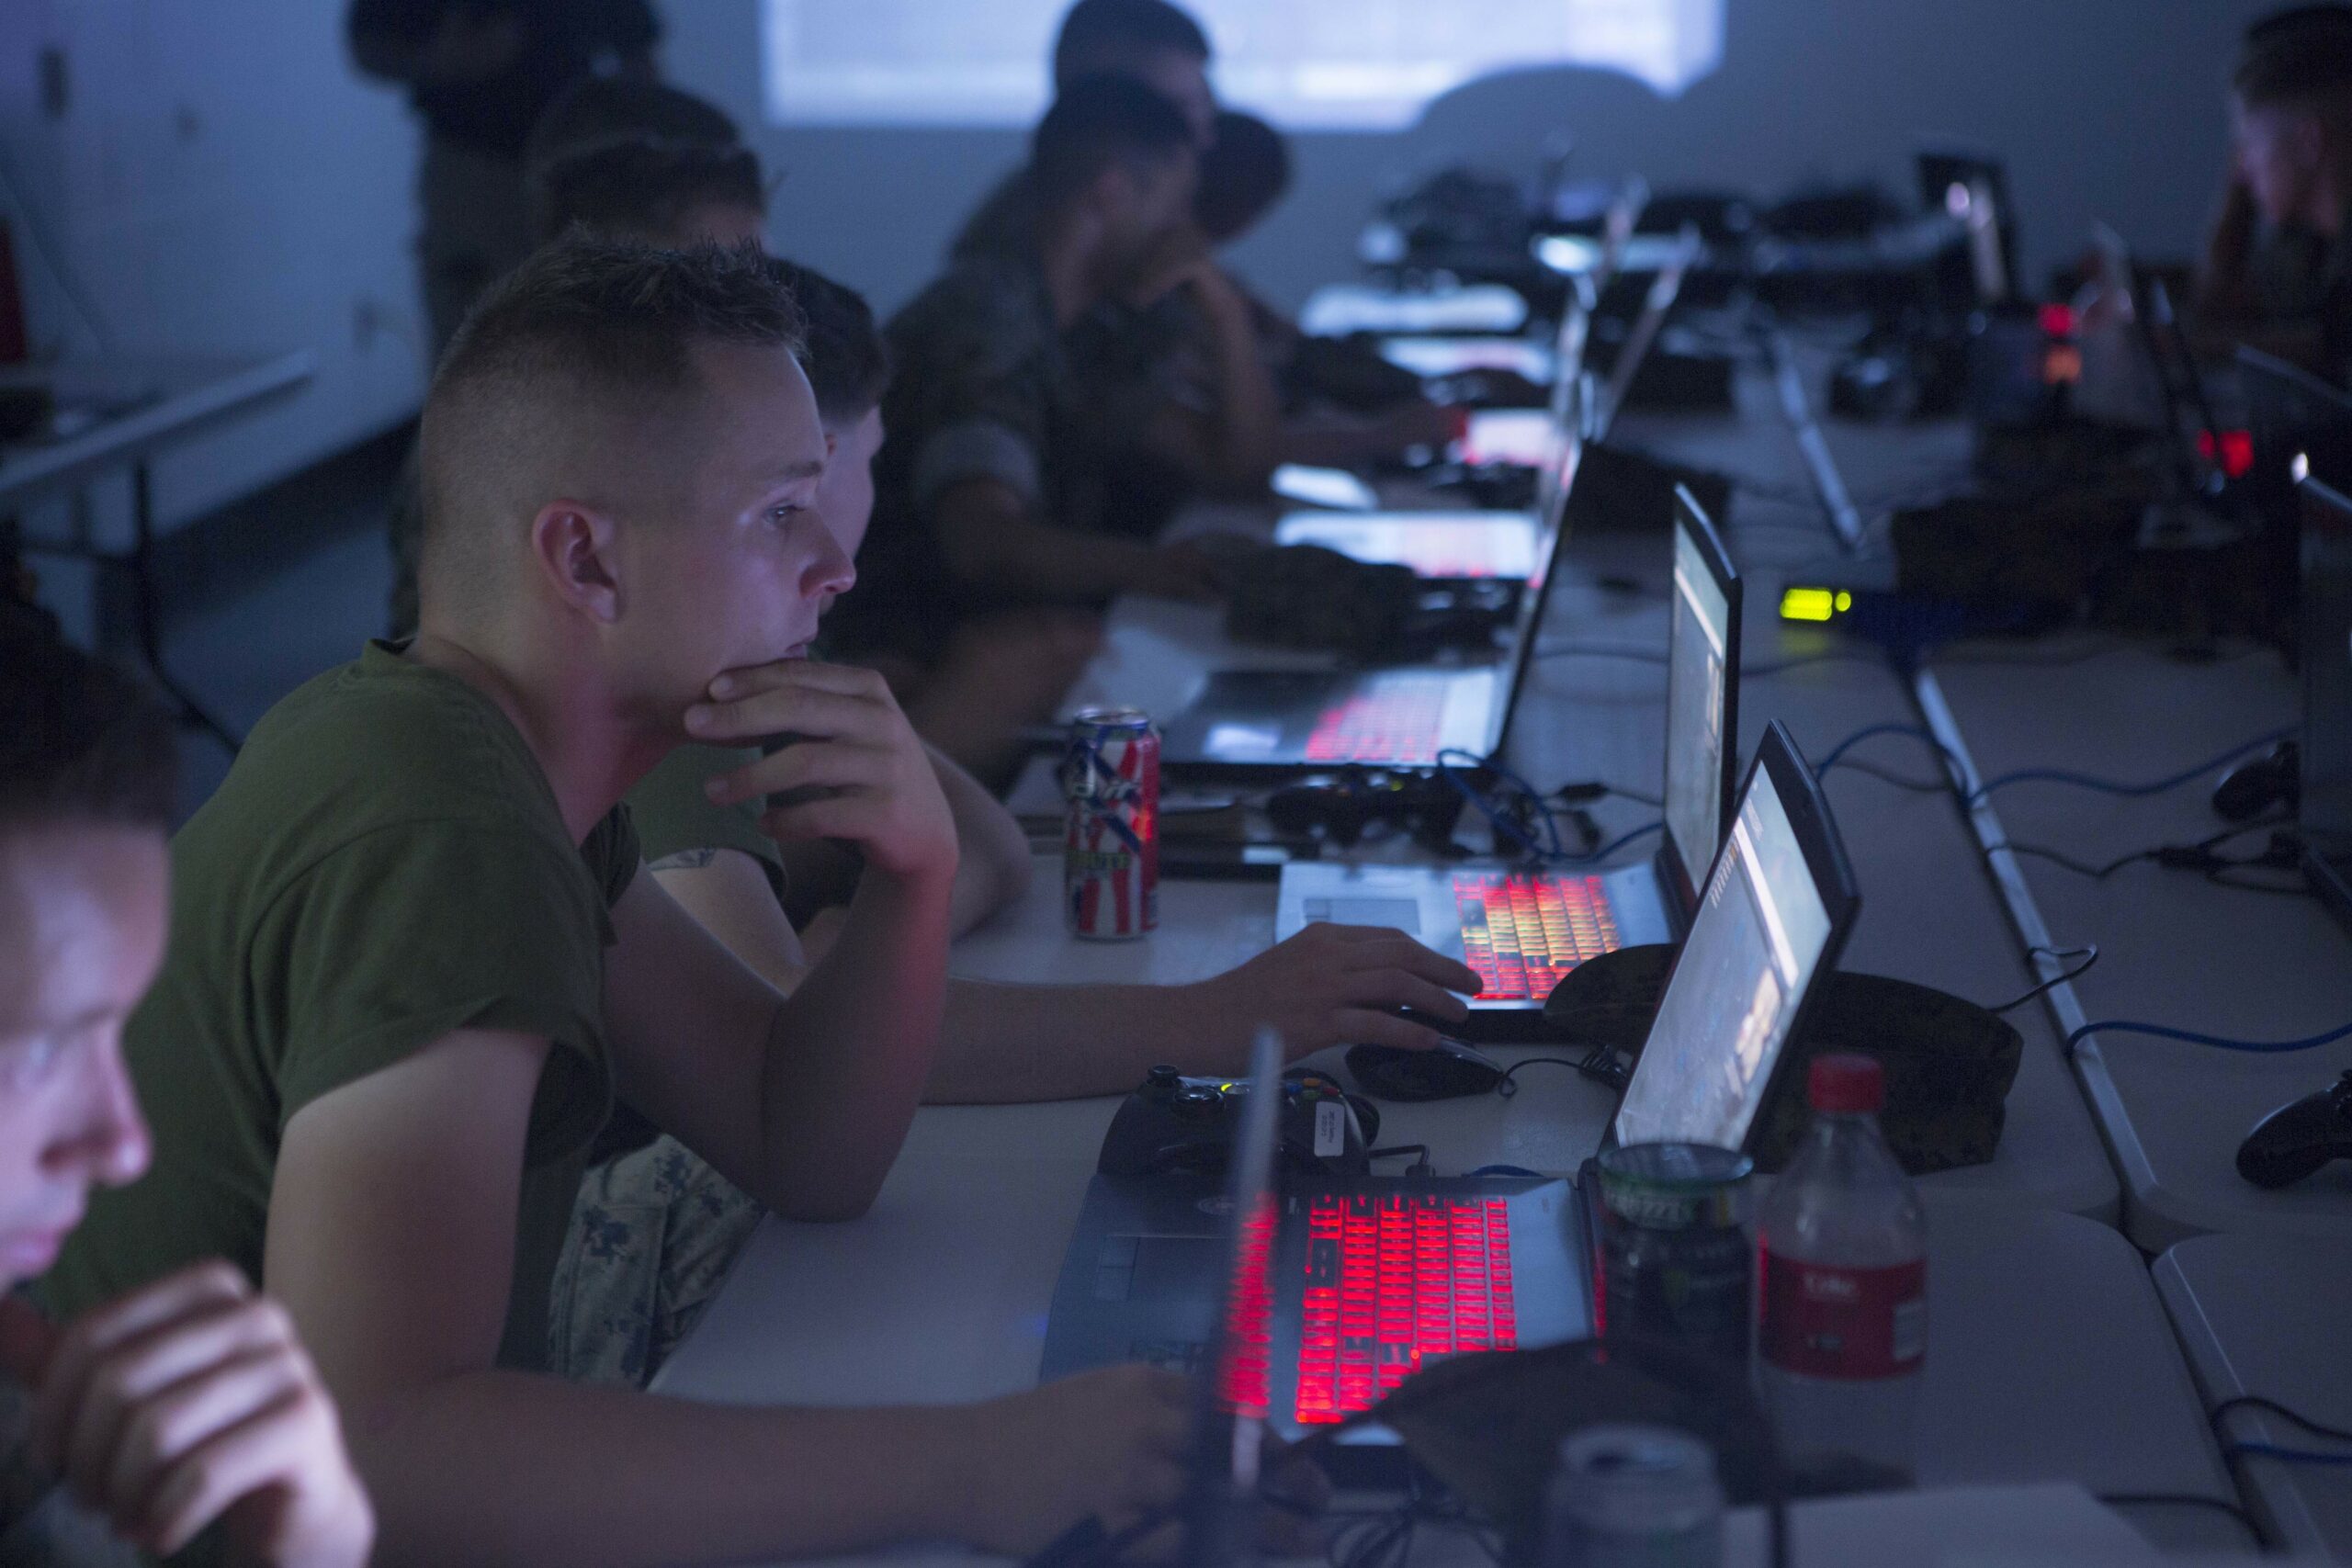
(1760, 935)
(1698, 658)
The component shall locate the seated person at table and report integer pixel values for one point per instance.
(1342, 404)
(672, 195)
(415, 964)
(989, 484)
(1148, 40)
(656, 1229)
(2278, 275)
(597, 113)
(188, 1401)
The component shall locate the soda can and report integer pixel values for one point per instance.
(1633, 1497)
(1111, 830)
(1676, 1259)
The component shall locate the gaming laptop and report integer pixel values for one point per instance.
(1502, 545)
(1369, 1277)
(2326, 808)
(1257, 723)
(1523, 930)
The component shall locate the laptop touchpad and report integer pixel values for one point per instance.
(1404, 914)
(1173, 1266)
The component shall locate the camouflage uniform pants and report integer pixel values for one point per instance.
(653, 1233)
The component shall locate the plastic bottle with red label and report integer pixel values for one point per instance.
(1842, 1283)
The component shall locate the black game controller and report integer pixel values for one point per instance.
(1179, 1126)
(2297, 1139)
(2246, 791)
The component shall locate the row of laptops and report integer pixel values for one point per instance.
(1521, 930)
(1309, 1300)
(1313, 1298)
(1255, 723)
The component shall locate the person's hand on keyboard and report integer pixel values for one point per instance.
(1334, 984)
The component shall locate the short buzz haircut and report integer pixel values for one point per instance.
(643, 189)
(79, 741)
(605, 109)
(1095, 32)
(597, 322)
(1245, 170)
(2307, 66)
(1097, 122)
(2294, 20)
(847, 361)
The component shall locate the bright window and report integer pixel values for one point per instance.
(1360, 64)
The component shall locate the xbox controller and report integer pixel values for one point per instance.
(2297, 1139)
(1178, 1125)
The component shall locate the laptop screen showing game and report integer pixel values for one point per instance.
(1698, 653)
(1759, 933)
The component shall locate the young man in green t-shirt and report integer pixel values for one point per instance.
(414, 965)
(617, 1312)
(189, 1401)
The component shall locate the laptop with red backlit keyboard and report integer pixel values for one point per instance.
(1523, 930)
(1309, 1294)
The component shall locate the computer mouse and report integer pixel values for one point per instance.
(1449, 1071)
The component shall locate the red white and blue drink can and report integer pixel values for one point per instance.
(1111, 834)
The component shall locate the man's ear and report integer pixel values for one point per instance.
(573, 548)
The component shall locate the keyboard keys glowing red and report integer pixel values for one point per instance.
(1391, 1280)
(1246, 1378)
(1398, 720)
(1522, 934)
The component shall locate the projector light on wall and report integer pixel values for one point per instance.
(1309, 64)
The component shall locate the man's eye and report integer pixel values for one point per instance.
(786, 513)
(28, 1060)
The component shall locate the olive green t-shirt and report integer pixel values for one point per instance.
(675, 818)
(384, 865)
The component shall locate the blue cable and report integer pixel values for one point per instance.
(2109, 786)
(1503, 829)
(2293, 1456)
(1506, 828)
(1605, 850)
(1837, 753)
(2163, 1032)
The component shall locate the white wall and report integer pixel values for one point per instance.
(221, 182)
(2105, 109)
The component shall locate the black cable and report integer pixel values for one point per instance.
(2189, 1500)
(1592, 790)
(2199, 856)
(1600, 1064)
(2285, 1413)
(2088, 954)
(1420, 1152)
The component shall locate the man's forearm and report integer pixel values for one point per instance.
(850, 1050)
(1248, 406)
(502, 1468)
(1003, 1044)
(995, 866)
